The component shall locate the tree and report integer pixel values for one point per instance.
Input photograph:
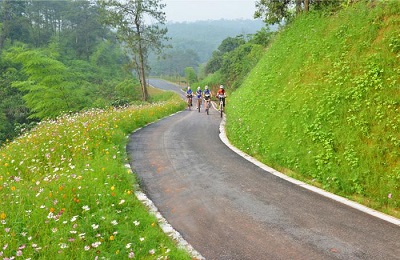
(139, 28)
(277, 11)
(49, 89)
(13, 25)
(272, 11)
(190, 75)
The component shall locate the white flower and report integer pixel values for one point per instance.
(87, 248)
(128, 245)
(74, 218)
(114, 222)
(121, 202)
(94, 226)
(136, 223)
(152, 251)
(96, 244)
(86, 208)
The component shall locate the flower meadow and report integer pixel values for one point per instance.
(65, 192)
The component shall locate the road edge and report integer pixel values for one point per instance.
(163, 223)
(335, 197)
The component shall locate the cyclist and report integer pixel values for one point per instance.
(207, 96)
(199, 94)
(189, 95)
(221, 94)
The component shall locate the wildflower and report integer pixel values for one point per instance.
(86, 208)
(54, 230)
(390, 195)
(96, 244)
(131, 254)
(74, 218)
(128, 245)
(141, 239)
(63, 245)
(152, 252)
(3, 215)
(114, 222)
(136, 223)
(19, 253)
(121, 202)
(113, 187)
(87, 248)
(94, 226)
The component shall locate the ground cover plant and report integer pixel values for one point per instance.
(323, 103)
(65, 192)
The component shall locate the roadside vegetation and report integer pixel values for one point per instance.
(323, 103)
(66, 194)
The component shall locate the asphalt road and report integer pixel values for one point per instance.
(229, 208)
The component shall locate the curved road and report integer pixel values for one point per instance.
(228, 208)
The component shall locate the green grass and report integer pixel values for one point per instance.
(66, 194)
(323, 104)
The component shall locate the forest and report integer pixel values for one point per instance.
(58, 57)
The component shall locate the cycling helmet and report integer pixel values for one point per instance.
(206, 87)
(188, 87)
(221, 86)
(198, 88)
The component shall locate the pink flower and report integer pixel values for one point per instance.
(390, 195)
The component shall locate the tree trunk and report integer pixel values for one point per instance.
(306, 5)
(142, 73)
(298, 6)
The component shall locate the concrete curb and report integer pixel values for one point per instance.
(335, 197)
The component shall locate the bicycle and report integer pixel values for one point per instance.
(221, 104)
(198, 103)
(189, 101)
(207, 104)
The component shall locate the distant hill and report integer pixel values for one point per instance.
(194, 42)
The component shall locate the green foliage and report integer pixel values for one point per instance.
(323, 103)
(190, 75)
(49, 88)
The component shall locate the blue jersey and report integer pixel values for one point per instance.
(189, 92)
(199, 92)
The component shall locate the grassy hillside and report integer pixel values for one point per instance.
(323, 104)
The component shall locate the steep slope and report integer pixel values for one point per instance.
(323, 104)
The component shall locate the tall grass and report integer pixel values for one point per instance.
(323, 104)
(66, 194)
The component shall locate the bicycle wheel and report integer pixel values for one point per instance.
(198, 104)
(221, 107)
(207, 107)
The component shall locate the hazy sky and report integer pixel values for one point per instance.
(195, 10)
